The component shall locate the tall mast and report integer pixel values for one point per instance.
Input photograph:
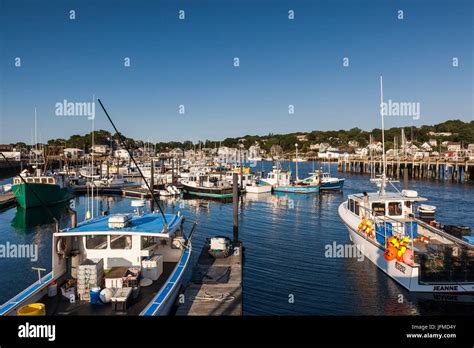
(92, 165)
(37, 169)
(36, 132)
(382, 186)
(296, 160)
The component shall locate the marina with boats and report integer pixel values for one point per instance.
(139, 260)
(428, 263)
(234, 172)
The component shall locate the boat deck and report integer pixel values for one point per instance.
(58, 305)
(215, 287)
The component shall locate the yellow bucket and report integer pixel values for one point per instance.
(31, 309)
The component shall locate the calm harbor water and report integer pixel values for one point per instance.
(286, 271)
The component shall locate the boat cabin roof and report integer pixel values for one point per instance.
(396, 196)
(151, 224)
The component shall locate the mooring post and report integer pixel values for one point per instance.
(405, 178)
(235, 191)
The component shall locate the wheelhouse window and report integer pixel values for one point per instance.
(378, 208)
(394, 208)
(50, 180)
(356, 208)
(96, 242)
(121, 242)
(148, 241)
(350, 205)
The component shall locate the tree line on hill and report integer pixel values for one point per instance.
(460, 132)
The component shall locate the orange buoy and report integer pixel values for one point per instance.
(390, 253)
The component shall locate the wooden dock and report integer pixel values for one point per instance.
(425, 168)
(7, 200)
(125, 191)
(215, 287)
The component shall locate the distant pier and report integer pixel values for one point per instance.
(426, 168)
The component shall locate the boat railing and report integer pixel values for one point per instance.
(191, 232)
(404, 226)
(438, 261)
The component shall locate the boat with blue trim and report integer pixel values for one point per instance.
(131, 264)
(281, 181)
(324, 180)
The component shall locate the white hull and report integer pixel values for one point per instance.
(405, 275)
(258, 189)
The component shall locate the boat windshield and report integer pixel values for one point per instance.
(378, 208)
(395, 208)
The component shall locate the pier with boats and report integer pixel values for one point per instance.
(142, 260)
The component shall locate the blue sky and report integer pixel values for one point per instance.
(190, 62)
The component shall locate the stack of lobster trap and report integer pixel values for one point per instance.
(90, 274)
(446, 263)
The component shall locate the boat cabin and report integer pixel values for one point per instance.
(393, 205)
(208, 181)
(47, 180)
(278, 177)
(122, 240)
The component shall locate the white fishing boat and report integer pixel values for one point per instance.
(416, 252)
(90, 172)
(5, 188)
(208, 186)
(324, 180)
(244, 178)
(170, 191)
(277, 177)
(299, 159)
(280, 181)
(114, 180)
(256, 186)
(129, 264)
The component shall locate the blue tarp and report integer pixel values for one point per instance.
(380, 233)
(408, 229)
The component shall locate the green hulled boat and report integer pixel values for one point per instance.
(51, 190)
(207, 186)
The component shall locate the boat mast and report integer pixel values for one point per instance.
(382, 186)
(36, 145)
(296, 160)
(92, 170)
